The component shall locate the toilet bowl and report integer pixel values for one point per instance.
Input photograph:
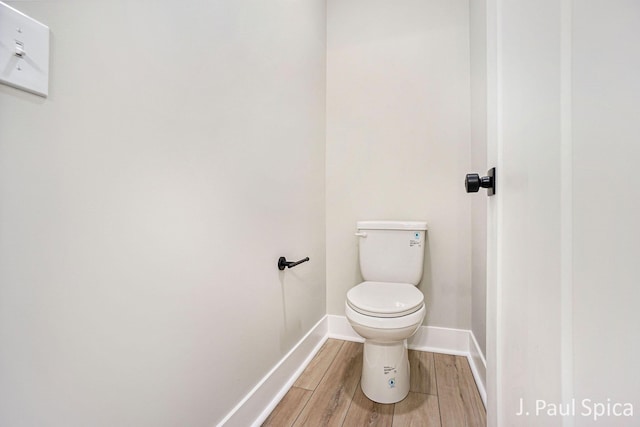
(385, 315)
(387, 308)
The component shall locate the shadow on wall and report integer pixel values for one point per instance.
(291, 324)
(427, 278)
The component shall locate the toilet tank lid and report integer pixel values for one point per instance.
(391, 225)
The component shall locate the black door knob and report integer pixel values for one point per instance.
(473, 182)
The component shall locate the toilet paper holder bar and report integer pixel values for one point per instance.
(282, 262)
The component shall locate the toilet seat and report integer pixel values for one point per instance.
(385, 299)
(385, 323)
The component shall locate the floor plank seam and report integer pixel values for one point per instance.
(295, 420)
(329, 366)
(435, 370)
(421, 392)
(327, 371)
(393, 414)
(301, 409)
(350, 403)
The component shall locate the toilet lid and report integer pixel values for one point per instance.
(384, 299)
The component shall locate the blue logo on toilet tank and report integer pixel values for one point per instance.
(392, 382)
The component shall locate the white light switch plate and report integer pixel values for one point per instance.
(24, 51)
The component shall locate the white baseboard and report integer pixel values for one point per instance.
(339, 328)
(460, 342)
(258, 404)
(263, 398)
(440, 340)
(478, 367)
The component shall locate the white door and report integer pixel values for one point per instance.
(563, 291)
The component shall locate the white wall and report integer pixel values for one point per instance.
(605, 231)
(398, 140)
(144, 205)
(478, 216)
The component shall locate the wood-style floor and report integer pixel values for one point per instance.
(443, 393)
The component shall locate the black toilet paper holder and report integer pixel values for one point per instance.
(283, 263)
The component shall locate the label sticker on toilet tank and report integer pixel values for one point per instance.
(415, 240)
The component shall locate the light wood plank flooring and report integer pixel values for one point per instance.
(443, 393)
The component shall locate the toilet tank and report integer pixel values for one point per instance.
(392, 251)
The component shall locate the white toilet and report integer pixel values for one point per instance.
(387, 308)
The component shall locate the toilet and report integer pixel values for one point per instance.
(387, 308)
